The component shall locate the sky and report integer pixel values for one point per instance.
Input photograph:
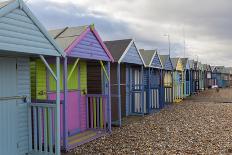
(199, 29)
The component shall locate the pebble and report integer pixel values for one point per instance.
(191, 127)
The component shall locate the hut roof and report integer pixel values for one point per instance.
(66, 36)
(117, 47)
(147, 56)
(164, 58)
(69, 38)
(174, 62)
(23, 32)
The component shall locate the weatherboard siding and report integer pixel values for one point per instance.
(168, 65)
(132, 56)
(23, 89)
(19, 33)
(156, 62)
(90, 48)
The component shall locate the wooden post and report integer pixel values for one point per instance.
(65, 107)
(57, 117)
(119, 94)
(109, 97)
(149, 89)
(142, 86)
(161, 89)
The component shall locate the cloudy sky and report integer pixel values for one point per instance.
(204, 25)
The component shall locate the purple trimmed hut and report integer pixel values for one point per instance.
(85, 93)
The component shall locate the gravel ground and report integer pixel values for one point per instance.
(185, 128)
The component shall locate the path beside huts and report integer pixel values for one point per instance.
(191, 127)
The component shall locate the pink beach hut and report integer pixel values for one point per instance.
(85, 94)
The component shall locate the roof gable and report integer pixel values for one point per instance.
(21, 32)
(147, 56)
(118, 47)
(82, 42)
(124, 51)
(156, 63)
(179, 65)
(166, 62)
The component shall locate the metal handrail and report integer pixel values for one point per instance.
(12, 98)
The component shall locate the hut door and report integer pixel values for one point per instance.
(8, 109)
(136, 91)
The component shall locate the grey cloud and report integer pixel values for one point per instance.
(206, 23)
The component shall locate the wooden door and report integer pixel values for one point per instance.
(8, 107)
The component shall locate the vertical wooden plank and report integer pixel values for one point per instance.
(65, 104)
(109, 97)
(50, 135)
(119, 94)
(94, 112)
(35, 128)
(87, 112)
(91, 112)
(79, 97)
(105, 112)
(149, 89)
(98, 110)
(57, 114)
(101, 113)
(40, 126)
(30, 110)
(45, 130)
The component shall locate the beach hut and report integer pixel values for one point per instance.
(226, 77)
(167, 78)
(152, 80)
(85, 94)
(178, 84)
(207, 76)
(127, 86)
(196, 77)
(217, 75)
(22, 128)
(201, 76)
(192, 72)
(186, 76)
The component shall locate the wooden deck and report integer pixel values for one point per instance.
(84, 137)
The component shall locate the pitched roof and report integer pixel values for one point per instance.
(191, 64)
(163, 59)
(174, 62)
(66, 36)
(184, 62)
(117, 47)
(27, 34)
(147, 56)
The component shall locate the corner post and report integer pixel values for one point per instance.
(57, 121)
(109, 97)
(142, 87)
(65, 121)
(119, 94)
(149, 89)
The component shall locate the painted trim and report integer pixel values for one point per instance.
(79, 38)
(102, 65)
(73, 68)
(76, 41)
(42, 29)
(124, 53)
(155, 54)
(127, 49)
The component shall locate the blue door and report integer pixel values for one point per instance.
(8, 109)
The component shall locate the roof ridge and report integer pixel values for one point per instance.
(61, 32)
